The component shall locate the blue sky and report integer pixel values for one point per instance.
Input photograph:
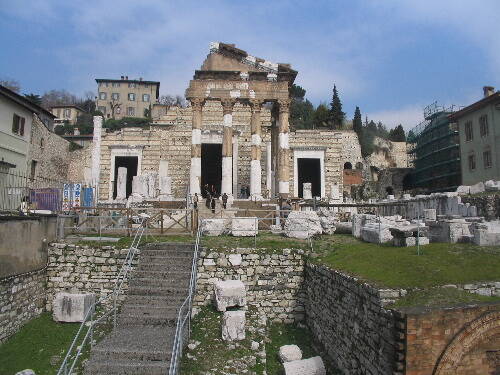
(390, 57)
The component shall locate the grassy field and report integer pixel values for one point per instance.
(35, 345)
(440, 297)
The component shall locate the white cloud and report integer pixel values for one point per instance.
(409, 116)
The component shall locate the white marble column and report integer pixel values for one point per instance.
(227, 148)
(96, 154)
(283, 149)
(255, 164)
(195, 171)
(121, 184)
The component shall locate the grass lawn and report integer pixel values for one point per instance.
(388, 266)
(35, 344)
(439, 297)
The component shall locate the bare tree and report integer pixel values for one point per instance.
(58, 97)
(171, 101)
(11, 84)
(114, 104)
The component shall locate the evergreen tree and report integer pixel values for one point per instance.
(34, 98)
(301, 111)
(321, 116)
(337, 117)
(397, 134)
(357, 124)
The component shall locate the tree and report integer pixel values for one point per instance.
(321, 116)
(114, 104)
(170, 101)
(337, 117)
(297, 92)
(58, 97)
(397, 134)
(301, 112)
(11, 84)
(34, 98)
(357, 124)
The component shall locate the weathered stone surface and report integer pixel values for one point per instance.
(71, 307)
(288, 353)
(244, 226)
(477, 188)
(410, 241)
(486, 234)
(26, 372)
(463, 189)
(307, 190)
(491, 185)
(302, 224)
(430, 214)
(229, 293)
(233, 325)
(276, 229)
(343, 227)
(215, 227)
(311, 366)
(235, 259)
(376, 233)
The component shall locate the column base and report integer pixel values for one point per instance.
(256, 197)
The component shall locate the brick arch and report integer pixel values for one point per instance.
(483, 328)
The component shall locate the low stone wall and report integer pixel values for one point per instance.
(347, 317)
(22, 298)
(83, 268)
(274, 282)
(487, 205)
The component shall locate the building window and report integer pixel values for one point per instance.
(104, 84)
(145, 97)
(132, 85)
(118, 110)
(102, 109)
(130, 111)
(18, 125)
(472, 162)
(67, 113)
(469, 135)
(33, 169)
(131, 96)
(102, 96)
(483, 125)
(115, 84)
(115, 96)
(487, 159)
(42, 143)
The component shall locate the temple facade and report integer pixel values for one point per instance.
(234, 135)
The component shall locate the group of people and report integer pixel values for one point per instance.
(211, 196)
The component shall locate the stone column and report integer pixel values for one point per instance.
(227, 148)
(96, 155)
(195, 173)
(255, 164)
(283, 149)
(121, 184)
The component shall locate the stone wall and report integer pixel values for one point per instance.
(488, 205)
(79, 166)
(388, 154)
(51, 153)
(22, 298)
(347, 317)
(458, 341)
(83, 268)
(274, 281)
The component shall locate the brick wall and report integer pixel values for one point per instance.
(462, 339)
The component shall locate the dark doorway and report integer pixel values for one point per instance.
(129, 162)
(309, 170)
(211, 166)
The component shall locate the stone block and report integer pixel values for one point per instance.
(26, 372)
(311, 366)
(307, 190)
(491, 185)
(229, 293)
(463, 189)
(235, 259)
(244, 226)
(302, 224)
(477, 188)
(288, 353)
(71, 307)
(430, 214)
(214, 227)
(233, 325)
(410, 241)
(376, 233)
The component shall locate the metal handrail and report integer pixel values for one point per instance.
(184, 317)
(69, 364)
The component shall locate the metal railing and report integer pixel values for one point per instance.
(91, 319)
(183, 327)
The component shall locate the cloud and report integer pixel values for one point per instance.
(409, 116)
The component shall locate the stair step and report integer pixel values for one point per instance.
(158, 301)
(169, 245)
(138, 319)
(169, 253)
(124, 367)
(160, 282)
(164, 267)
(157, 291)
(161, 274)
(162, 310)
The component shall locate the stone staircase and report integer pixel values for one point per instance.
(142, 341)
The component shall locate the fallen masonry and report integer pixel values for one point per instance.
(229, 293)
(311, 366)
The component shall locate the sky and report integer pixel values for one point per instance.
(389, 57)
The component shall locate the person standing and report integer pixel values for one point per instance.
(195, 201)
(212, 205)
(224, 200)
(209, 198)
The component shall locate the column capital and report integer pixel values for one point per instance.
(227, 106)
(197, 103)
(284, 105)
(255, 104)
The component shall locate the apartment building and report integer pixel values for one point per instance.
(479, 129)
(65, 113)
(118, 98)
